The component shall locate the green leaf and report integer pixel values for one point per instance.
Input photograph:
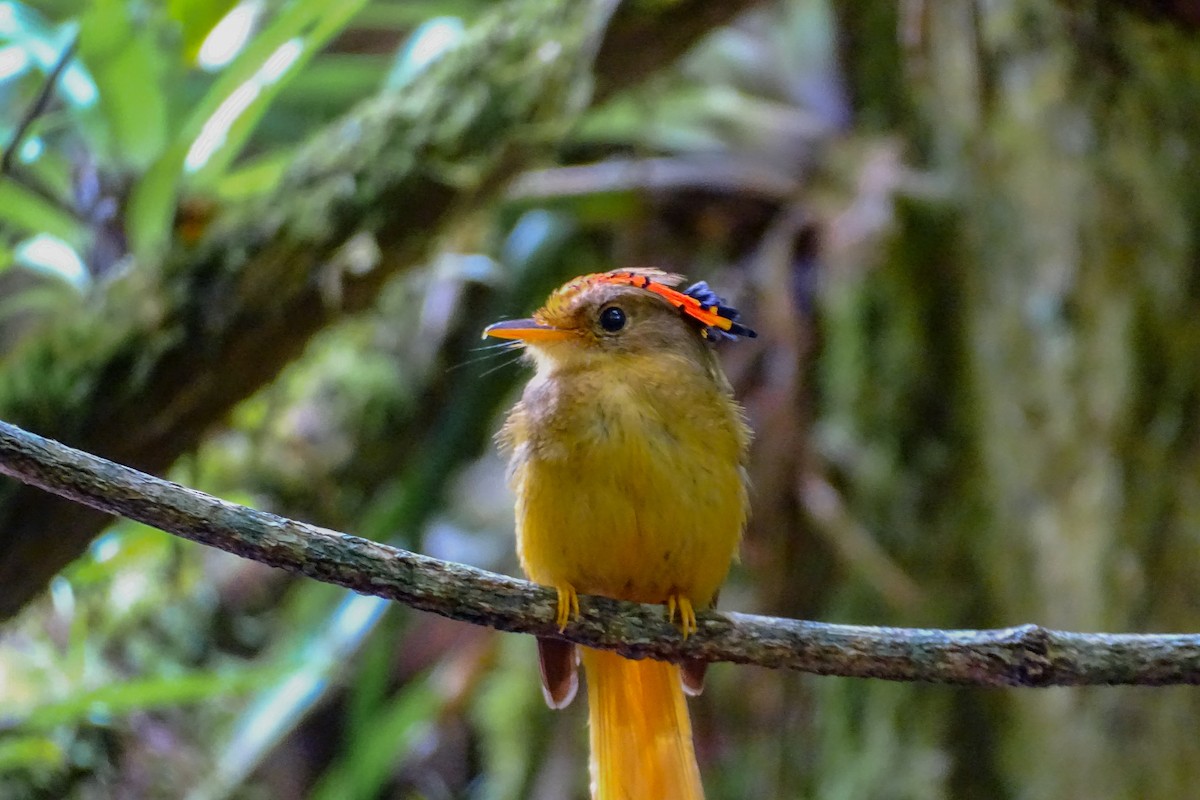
(215, 132)
(297, 35)
(52, 170)
(128, 68)
(47, 298)
(196, 19)
(398, 16)
(152, 203)
(127, 546)
(26, 211)
(364, 768)
(255, 177)
(116, 700)
(25, 752)
(132, 100)
(305, 678)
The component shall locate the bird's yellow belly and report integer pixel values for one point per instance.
(645, 514)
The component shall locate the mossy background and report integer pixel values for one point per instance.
(966, 233)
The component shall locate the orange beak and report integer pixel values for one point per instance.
(527, 330)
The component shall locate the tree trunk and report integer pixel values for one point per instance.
(1017, 379)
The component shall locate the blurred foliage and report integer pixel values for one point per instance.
(156, 668)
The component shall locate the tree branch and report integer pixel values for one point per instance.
(37, 107)
(1028, 655)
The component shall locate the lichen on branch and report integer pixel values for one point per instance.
(1027, 655)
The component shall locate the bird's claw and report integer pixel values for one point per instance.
(568, 606)
(687, 614)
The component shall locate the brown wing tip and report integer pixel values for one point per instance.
(691, 673)
(558, 663)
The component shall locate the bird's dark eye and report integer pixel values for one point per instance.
(612, 319)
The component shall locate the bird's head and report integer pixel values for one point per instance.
(622, 312)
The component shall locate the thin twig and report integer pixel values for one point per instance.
(655, 175)
(854, 544)
(37, 107)
(1028, 655)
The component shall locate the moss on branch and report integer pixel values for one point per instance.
(1028, 655)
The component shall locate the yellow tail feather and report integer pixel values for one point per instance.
(640, 732)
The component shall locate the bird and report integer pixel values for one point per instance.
(627, 458)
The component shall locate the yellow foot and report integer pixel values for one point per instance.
(687, 614)
(568, 606)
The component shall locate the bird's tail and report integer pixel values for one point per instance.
(640, 732)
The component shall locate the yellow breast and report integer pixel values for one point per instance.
(629, 479)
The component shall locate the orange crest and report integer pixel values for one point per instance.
(697, 302)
